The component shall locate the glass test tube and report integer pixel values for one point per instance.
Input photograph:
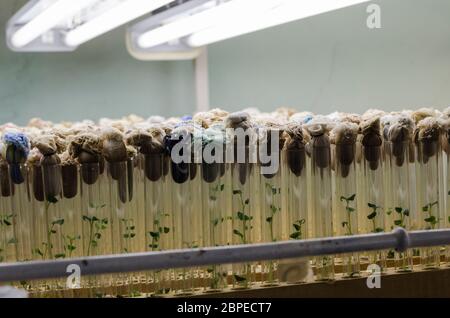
(428, 161)
(398, 209)
(96, 220)
(272, 215)
(7, 233)
(322, 201)
(373, 197)
(346, 203)
(296, 223)
(215, 221)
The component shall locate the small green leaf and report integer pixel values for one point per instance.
(97, 235)
(297, 227)
(378, 230)
(58, 222)
(222, 186)
(269, 219)
(425, 208)
(350, 209)
(352, 197)
(213, 198)
(247, 202)
(372, 215)
(86, 218)
(406, 212)
(52, 199)
(154, 234)
(7, 222)
(398, 210)
(371, 205)
(431, 219)
(398, 222)
(243, 217)
(209, 270)
(295, 235)
(344, 224)
(237, 192)
(61, 255)
(166, 230)
(236, 232)
(239, 278)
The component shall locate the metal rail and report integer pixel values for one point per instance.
(398, 239)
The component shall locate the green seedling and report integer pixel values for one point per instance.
(372, 217)
(430, 219)
(298, 231)
(96, 227)
(350, 210)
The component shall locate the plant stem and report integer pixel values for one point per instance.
(349, 224)
(91, 233)
(48, 249)
(244, 222)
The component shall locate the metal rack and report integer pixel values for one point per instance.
(398, 239)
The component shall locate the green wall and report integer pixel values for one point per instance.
(99, 79)
(333, 61)
(323, 63)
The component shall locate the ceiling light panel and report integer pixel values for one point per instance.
(63, 25)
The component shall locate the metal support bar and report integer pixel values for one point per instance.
(398, 239)
(202, 81)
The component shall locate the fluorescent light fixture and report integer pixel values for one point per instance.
(214, 13)
(120, 14)
(52, 14)
(287, 11)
